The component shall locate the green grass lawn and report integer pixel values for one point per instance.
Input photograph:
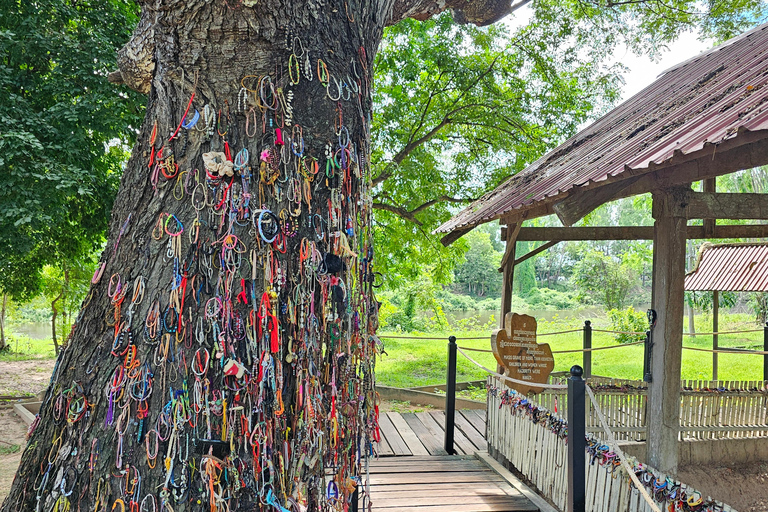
(22, 347)
(422, 362)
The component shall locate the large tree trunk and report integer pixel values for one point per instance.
(291, 320)
(224, 357)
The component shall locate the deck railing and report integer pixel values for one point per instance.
(532, 439)
(708, 409)
(617, 410)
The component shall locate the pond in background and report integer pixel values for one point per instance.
(35, 330)
(588, 313)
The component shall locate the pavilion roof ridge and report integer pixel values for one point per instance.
(691, 109)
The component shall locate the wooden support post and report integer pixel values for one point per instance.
(666, 355)
(710, 186)
(765, 348)
(576, 488)
(587, 354)
(715, 328)
(450, 397)
(508, 269)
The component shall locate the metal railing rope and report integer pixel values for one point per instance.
(564, 351)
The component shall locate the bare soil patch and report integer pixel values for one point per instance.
(402, 406)
(17, 379)
(13, 434)
(22, 378)
(742, 486)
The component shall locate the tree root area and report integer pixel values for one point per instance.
(742, 486)
(13, 439)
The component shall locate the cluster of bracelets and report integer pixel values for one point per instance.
(244, 378)
(520, 405)
(676, 495)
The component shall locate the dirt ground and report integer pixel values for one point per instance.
(21, 378)
(13, 433)
(742, 486)
(17, 379)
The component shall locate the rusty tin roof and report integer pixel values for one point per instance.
(705, 100)
(739, 267)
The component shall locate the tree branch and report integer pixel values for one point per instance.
(410, 215)
(431, 202)
(401, 212)
(476, 12)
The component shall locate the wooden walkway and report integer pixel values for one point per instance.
(442, 483)
(415, 474)
(421, 433)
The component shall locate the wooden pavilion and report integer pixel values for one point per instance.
(705, 117)
(734, 267)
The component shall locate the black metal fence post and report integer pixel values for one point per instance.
(576, 443)
(587, 354)
(765, 348)
(647, 357)
(450, 396)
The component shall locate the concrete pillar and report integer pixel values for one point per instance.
(668, 301)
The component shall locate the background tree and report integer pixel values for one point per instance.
(283, 318)
(62, 130)
(65, 286)
(459, 109)
(478, 274)
(605, 279)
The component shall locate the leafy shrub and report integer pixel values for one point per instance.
(758, 303)
(489, 305)
(547, 298)
(457, 302)
(628, 320)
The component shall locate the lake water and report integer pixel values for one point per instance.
(35, 330)
(589, 313)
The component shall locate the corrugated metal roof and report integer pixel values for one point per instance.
(730, 267)
(705, 100)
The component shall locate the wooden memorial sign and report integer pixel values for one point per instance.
(518, 353)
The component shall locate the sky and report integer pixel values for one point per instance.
(642, 70)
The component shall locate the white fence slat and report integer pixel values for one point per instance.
(541, 455)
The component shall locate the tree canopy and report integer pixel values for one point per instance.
(461, 108)
(63, 129)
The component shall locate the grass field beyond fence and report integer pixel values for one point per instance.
(422, 362)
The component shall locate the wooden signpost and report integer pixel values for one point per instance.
(516, 350)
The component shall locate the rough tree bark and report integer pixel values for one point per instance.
(224, 356)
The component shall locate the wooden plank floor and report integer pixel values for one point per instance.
(421, 433)
(414, 472)
(441, 483)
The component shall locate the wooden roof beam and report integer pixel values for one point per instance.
(747, 150)
(720, 205)
(532, 234)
